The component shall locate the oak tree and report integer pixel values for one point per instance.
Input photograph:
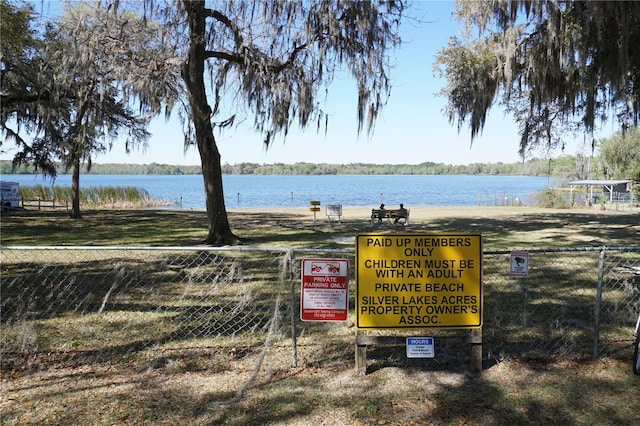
(558, 66)
(270, 61)
(620, 154)
(64, 92)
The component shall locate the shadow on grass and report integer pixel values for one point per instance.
(508, 394)
(184, 228)
(317, 388)
(526, 230)
(104, 227)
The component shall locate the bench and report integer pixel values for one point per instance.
(398, 216)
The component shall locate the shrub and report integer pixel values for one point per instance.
(550, 198)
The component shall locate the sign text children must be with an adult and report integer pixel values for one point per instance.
(419, 280)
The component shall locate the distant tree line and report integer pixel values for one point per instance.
(74, 82)
(571, 167)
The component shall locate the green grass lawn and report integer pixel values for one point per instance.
(283, 229)
(200, 389)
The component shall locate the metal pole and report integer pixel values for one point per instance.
(598, 307)
(294, 312)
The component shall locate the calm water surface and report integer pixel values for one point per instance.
(251, 191)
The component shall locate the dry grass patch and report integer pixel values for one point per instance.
(216, 381)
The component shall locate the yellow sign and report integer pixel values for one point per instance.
(419, 280)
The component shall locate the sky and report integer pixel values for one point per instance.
(411, 129)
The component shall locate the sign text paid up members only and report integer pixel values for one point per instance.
(419, 280)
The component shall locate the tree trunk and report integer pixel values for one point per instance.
(75, 189)
(193, 75)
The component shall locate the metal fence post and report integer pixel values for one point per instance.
(596, 314)
(294, 342)
(215, 295)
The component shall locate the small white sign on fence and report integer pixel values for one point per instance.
(519, 264)
(420, 347)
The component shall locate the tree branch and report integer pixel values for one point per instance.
(23, 98)
(242, 49)
(220, 17)
(211, 54)
(296, 49)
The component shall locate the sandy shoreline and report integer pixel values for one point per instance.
(428, 212)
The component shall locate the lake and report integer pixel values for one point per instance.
(260, 191)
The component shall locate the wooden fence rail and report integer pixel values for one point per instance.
(43, 203)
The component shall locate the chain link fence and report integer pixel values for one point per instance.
(146, 307)
(225, 309)
(574, 302)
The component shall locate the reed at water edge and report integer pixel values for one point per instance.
(93, 195)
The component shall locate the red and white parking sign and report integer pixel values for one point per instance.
(325, 290)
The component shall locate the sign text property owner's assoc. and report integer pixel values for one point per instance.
(419, 280)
